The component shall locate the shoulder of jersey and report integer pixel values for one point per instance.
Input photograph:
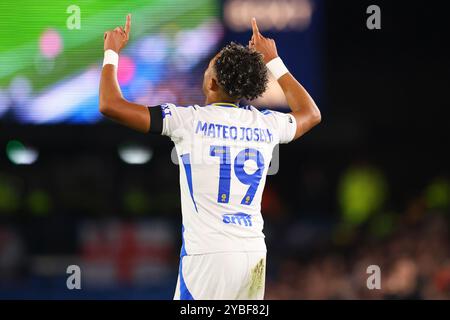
(245, 107)
(253, 108)
(241, 107)
(173, 105)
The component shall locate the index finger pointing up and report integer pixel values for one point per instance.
(128, 24)
(255, 27)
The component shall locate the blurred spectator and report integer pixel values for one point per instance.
(12, 255)
(9, 193)
(362, 192)
(414, 263)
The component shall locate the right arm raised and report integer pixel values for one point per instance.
(304, 109)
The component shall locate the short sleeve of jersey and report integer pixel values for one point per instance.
(177, 120)
(285, 124)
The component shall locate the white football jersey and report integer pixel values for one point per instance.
(224, 151)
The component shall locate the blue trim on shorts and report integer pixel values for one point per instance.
(183, 248)
(185, 294)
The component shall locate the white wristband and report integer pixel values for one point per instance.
(111, 57)
(277, 67)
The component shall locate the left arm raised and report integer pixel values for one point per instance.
(112, 104)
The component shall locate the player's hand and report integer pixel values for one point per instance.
(117, 39)
(266, 46)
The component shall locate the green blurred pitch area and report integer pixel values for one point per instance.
(25, 23)
(46, 43)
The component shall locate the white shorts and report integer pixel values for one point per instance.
(222, 276)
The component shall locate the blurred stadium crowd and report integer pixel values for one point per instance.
(414, 262)
(412, 247)
(125, 236)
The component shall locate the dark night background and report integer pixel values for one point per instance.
(384, 101)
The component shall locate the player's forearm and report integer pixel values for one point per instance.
(297, 97)
(112, 104)
(110, 94)
(115, 107)
(303, 107)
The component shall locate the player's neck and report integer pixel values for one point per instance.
(212, 100)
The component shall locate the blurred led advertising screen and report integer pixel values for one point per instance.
(51, 54)
(297, 26)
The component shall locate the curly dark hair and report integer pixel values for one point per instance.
(241, 72)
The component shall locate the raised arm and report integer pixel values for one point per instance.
(112, 104)
(304, 109)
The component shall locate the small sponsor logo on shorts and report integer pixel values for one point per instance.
(240, 218)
